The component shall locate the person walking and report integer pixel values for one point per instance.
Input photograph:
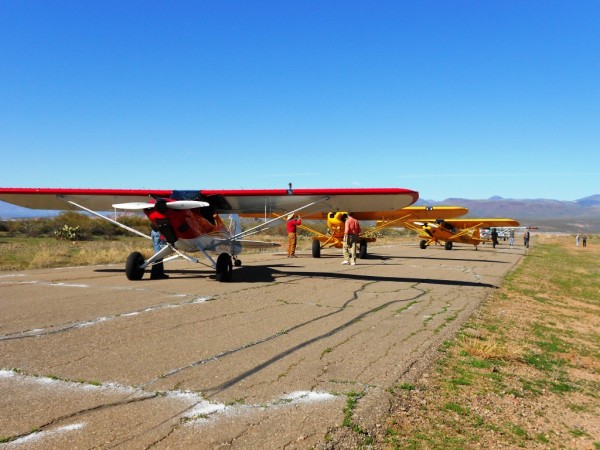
(351, 237)
(494, 238)
(292, 225)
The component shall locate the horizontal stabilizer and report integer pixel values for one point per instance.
(258, 244)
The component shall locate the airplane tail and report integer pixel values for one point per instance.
(476, 236)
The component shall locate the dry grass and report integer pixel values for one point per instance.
(524, 372)
(493, 349)
(37, 253)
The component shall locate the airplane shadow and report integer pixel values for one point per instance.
(454, 259)
(254, 274)
(270, 273)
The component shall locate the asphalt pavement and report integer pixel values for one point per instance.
(89, 359)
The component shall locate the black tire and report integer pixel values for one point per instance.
(224, 268)
(237, 263)
(133, 268)
(448, 245)
(423, 244)
(316, 249)
(362, 250)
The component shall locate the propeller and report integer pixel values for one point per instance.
(177, 204)
(428, 224)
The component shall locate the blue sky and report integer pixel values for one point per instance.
(450, 98)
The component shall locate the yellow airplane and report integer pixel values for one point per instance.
(334, 237)
(465, 231)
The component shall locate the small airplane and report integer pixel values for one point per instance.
(503, 232)
(335, 220)
(466, 231)
(190, 220)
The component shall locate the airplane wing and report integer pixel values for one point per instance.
(482, 223)
(253, 201)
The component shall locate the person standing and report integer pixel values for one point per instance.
(351, 237)
(526, 238)
(292, 225)
(511, 237)
(158, 240)
(577, 241)
(584, 240)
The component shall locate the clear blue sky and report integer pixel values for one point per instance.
(450, 98)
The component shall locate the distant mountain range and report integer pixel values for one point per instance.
(549, 215)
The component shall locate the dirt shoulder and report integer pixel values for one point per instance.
(523, 372)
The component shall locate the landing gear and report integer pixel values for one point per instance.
(362, 251)
(133, 266)
(224, 268)
(423, 244)
(316, 249)
(448, 245)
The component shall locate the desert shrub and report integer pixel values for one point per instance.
(69, 233)
(30, 227)
(72, 226)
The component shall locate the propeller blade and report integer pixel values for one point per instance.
(177, 204)
(133, 206)
(186, 204)
(426, 224)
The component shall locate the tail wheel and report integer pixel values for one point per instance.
(448, 245)
(316, 249)
(362, 251)
(133, 266)
(423, 244)
(224, 267)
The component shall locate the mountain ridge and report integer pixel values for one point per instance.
(551, 215)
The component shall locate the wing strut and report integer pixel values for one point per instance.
(258, 227)
(125, 227)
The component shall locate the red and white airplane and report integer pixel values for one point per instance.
(191, 221)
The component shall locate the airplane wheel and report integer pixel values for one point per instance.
(224, 267)
(237, 263)
(362, 251)
(423, 244)
(448, 245)
(132, 267)
(316, 249)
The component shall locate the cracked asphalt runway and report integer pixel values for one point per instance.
(89, 359)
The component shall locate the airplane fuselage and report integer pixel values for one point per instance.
(192, 230)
